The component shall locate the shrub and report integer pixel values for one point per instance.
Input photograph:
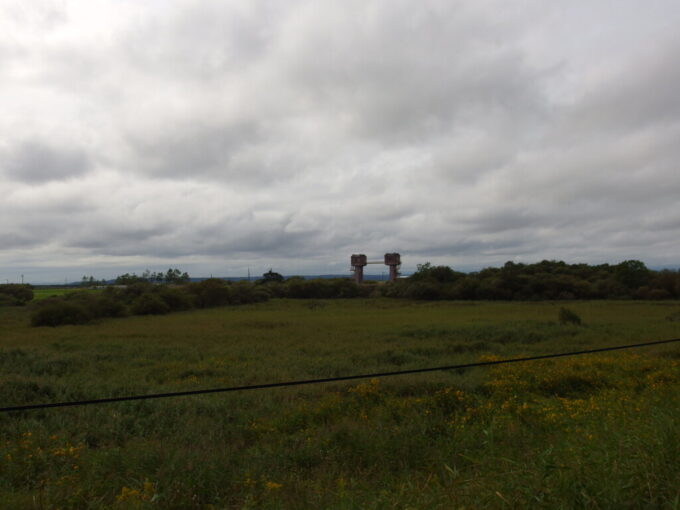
(566, 316)
(106, 306)
(176, 298)
(134, 290)
(243, 293)
(492, 289)
(274, 289)
(659, 294)
(210, 292)
(393, 289)
(149, 304)
(343, 288)
(464, 288)
(15, 294)
(97, 304)
(424, 290)
(7, 300)
(58, 312)
(306, 289)
(319, 288)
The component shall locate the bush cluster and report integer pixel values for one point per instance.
(142, 298)
(336, 288)
(297, 287)
(567, 316)
(56, 311)
(15, 294)
(546, 280)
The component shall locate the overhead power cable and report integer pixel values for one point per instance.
(330, 379)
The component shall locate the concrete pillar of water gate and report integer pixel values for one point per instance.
(393, 260)
(358, 263)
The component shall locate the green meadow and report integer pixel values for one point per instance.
(599, 431)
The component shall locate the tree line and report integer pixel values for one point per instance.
(171, 276)
(545, 280)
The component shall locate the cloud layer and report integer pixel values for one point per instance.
(222, 136)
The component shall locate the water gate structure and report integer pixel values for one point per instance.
(358, 262)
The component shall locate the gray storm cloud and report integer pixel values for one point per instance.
(37, 162)
(222, 136)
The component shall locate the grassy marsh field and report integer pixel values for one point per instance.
(593, 432)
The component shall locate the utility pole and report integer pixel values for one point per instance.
(22, 279)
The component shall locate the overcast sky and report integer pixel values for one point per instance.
(221, 136)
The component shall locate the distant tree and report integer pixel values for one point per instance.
(175, 276)
(423, 268)
(632, 273)
(667, 280)
(270, 277)
(89, 281)
(440, 274)
(128, 279)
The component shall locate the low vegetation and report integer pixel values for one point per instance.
(159, 293)
(14, 294)
(141, 298)
(546, 280)
(162, 293)
(145, 298)
(584, 432)
(567, 316)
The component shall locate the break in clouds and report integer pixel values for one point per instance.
(224, 136)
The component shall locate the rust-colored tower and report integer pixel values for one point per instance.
(394, 261)
(358, 263)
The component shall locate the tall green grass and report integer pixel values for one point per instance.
(596, 432)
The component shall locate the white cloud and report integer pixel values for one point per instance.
(219, 136)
